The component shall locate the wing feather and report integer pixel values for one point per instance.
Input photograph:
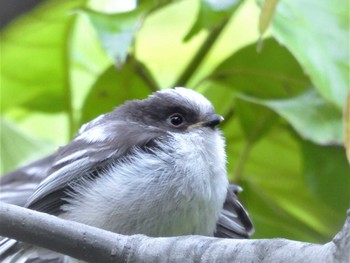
(234, 221)
(85, 156)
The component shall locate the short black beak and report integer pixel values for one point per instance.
(213, 120)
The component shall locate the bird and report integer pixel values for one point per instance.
(155, 166)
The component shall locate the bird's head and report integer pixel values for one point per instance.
(176, 110)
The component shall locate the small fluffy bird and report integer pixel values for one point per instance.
(155, 166)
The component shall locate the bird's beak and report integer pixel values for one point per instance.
(212, 121)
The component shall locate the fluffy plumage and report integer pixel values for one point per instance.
(153, 166)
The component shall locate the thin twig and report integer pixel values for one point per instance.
(200, 55)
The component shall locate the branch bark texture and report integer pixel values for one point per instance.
(97, 245)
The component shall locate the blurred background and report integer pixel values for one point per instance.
(278, 71)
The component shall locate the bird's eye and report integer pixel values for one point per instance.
(176, 119)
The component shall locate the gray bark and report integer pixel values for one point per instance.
(97, 245)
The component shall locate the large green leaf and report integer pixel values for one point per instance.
(272, 73)
(310, 115)
(317, 33)
(34, 56)
(327, 174)
(111, 89)
(116, 31)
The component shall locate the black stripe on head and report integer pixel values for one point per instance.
(157, 108)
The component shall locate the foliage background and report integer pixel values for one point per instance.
(66, 62)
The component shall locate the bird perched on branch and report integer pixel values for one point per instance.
(155, 166)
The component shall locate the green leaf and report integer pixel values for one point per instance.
(310, 115)
(327, 174)
(273, 73)
(117, 31)
(34, 58)
(111, 89)
(211, 14)
(17, 147)
(317, 33)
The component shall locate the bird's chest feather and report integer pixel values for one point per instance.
(200, 166)
(177, 191)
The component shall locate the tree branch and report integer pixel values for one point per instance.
(97, 245)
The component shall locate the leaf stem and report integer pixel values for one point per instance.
(243, 157)
(238, 173)
(67, 78)
(200, 55)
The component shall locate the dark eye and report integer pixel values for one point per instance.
(176, 119)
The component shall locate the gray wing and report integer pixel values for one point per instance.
(94, 149)
(18, 185)
(234, 221)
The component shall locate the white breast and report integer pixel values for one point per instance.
(177, 191)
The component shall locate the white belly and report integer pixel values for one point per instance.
(179, 191)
